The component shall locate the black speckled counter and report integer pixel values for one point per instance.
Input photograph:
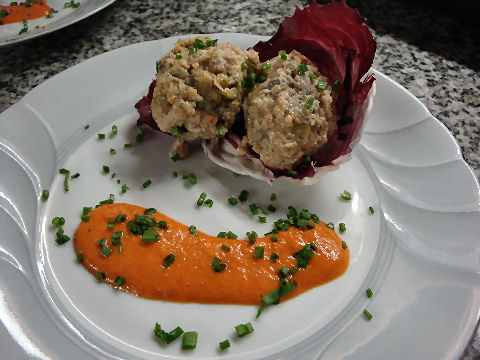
(434, 56)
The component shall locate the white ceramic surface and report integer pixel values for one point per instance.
(9, 34)
(419, 252)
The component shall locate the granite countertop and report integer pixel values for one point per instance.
(432, 55)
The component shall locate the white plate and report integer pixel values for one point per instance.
(419, 252)
(9, 34)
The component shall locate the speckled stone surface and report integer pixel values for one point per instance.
(431, 54)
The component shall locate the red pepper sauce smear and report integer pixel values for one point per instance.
(18, 13)
(191, 278)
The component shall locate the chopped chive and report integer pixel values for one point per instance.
(224, 344)
(371, 210)
(346, 195)
(178, 57)
(191, 51)
(254, 209)
(273, 197)
(189, 340)
(162, 225)
(79, 256)
(266, 66)
(45, 195)
(140, 138)
(344, 245)
(113, 175)
(175, 174)
(85, 218)
(369, 292)
(106, 169)
(203, 104)
(100, 276)
(58, 221)
(331, 225)
(271, 208)
(283, 54)
(273, 238)
(111, 220)
(217, 266)
(101, 242)
(105, 251)
(168, 260)
(119, 281)
(244, 329)
(193, 230)
(61, 237)
(284, 272)
(201, 199)
(312, 76)
(262, 219)
(209, 202)
(150, 235)
(336, 85)
(274, 296)
(258, 252)
(126, 146)
(342, 227)
(120, 218)
(147, 184)
(112, 151)
(321, 85)
(118, 181)
(252, 236)
(293, 270)
(101, 136)
(367, 315)
(110, 226)
(114, 130)
(175, 157)
(302, 69)
(233, 201)
(304, 255)
(124, 188)
(225, 248)
(74, 176)
(150, 211)
(177, 130)
(86, 127)
(274, 257)
(292, 173)
(309, 103)
(191, 178)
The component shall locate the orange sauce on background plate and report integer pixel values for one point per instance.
(191, 277)
(18, 13)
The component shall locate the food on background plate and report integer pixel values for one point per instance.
(340, 50)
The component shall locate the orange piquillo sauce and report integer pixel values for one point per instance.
(18, 13)
(191, 278)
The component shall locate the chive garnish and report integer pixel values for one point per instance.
(302, 69)
(343, 244)
(233, 201)
(273, 238)
(86, 127)
(175, 158)
(273, 197)
(101, 136)
(369, 292)
(367, 315)
(119, 281)
(321, 85)
(140, 138)
(85, 218)
(258, 252)
(283, 54)
(346, 195)
(224, 344)
(193, 230)
(227, 235)
(74, 176)
(252, 237)
(105, 251)
(175, 174)
(79, 256)
(309, 103)
(262, 219)
(150, 235)
(177, 130)
(274, 257)
(101, 242)
(274, 296)
(304, 255)
(110, 226)
(189, 340)
(201, 199)
(191, 178)
(45, 195)
(199, 44)
(147, 184)
(371, 210)
(167, 337)
(225, 248)
(105, 169)
(217, 266)
(271, 208)
(292, 173)
(202, 104)
(113, 151)
(284, 272)
(61, 237)
(113, 175)
(266, 66)
(331, 225)
(58, 221)
(312, 76)
(124, 188)
(114, 130)
(100, 276)
(342, 227)
(120, 218)
(178, 57)
(150, 211)
(210, 43)
(168, 260)
(244, 329)
(126, 146)
(209, 202)
(162, 225)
